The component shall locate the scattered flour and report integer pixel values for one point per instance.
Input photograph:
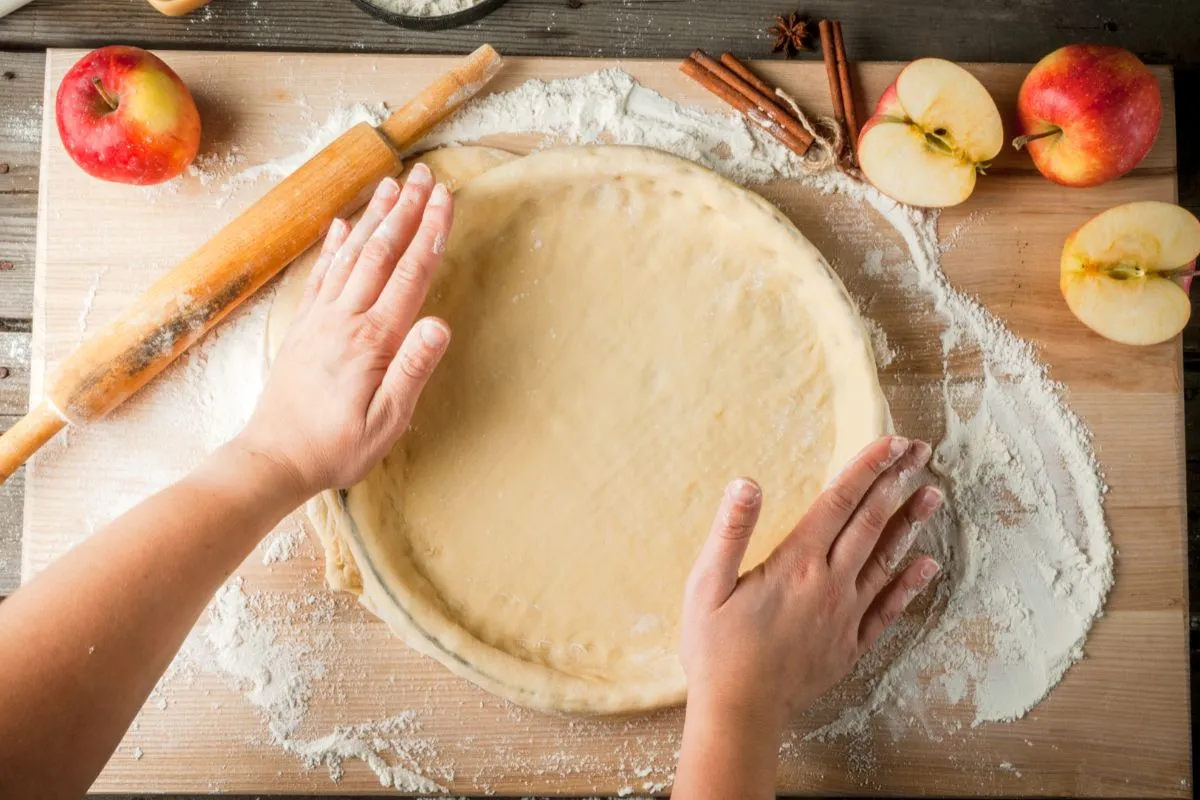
(1028, 561)
(885, 354)
(224, 173)
(872, 265)
(610, 106)
(89, 299)
(314, 140)
(23, 126)
(951, 239)
(282, 545)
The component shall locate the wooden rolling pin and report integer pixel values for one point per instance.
(202, 289)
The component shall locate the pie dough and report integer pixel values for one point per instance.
(631, 331)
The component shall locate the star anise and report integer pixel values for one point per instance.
(791, 35)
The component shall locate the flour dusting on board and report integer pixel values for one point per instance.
(228, 171)
(1023, 538)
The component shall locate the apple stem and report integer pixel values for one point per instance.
(108, 99)
(1020, 142)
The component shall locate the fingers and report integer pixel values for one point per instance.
(387, 243)
(715, 573)
(419, 354)
(895, 540)
(347, 255)
(892, 601)
(858, 538)
(833, 507)
(339, 229)
(408, 283)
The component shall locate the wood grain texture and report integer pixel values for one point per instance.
(995, 30)
(14, 373)
(20, 135)
(12, 496)
(1119, 721)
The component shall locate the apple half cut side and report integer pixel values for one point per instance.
(1126, 272)
(933, 130)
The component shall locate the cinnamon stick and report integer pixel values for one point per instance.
(843, 68)
(763, 100)
(828, 52)
(709, 80)
(743, 72)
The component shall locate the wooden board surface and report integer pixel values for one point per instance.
(1118, 725)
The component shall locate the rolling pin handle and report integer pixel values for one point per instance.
(25, 438)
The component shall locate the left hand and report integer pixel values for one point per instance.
(348, 375)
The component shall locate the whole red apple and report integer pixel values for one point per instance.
(125, 116)
(1088, 113)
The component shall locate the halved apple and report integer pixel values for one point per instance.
(1126, 272)
(933, 130)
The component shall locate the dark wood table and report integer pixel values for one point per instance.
(1160, 31)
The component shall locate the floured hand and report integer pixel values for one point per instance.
(348, 375)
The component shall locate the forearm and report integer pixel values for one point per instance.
(727, 755)
(87, 639)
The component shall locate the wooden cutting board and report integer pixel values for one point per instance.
(1117, 725)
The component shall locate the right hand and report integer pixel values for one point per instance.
(348, 375)
(760, 648)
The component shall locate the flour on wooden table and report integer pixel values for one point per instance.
(227, 169)
(1027, 556)
(885, 354)
(284, 543)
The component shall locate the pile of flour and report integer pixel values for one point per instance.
(1023, 539)
(425, 8)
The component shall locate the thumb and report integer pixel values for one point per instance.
(715, 574)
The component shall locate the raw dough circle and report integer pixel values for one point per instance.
(631, 331)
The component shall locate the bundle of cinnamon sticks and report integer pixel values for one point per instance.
(734, 83)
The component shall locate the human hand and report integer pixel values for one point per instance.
(348, 375)
(764, 646)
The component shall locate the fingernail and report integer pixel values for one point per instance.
(930, 570)
(434, 334)
(440, 196)
(420, 174)
(931, 500)
(744, 492)
(388, 186)
(922, 451)
(898, 446)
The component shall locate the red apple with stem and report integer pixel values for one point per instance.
(124, 115)
(1088, 113)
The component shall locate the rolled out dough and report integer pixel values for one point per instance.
(631, 331)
